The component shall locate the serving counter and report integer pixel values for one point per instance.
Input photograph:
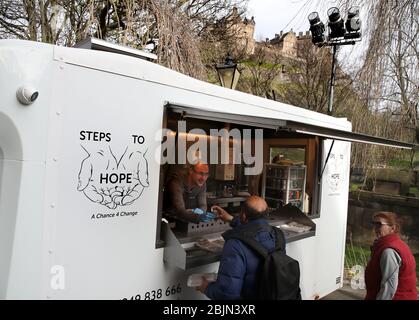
(204, 246)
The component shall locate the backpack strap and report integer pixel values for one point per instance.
(252, 243)
(280, 239)
(248, 237)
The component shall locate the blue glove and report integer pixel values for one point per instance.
(204, 216)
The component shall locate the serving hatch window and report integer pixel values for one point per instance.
(234, 154)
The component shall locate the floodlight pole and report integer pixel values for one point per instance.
(332, 82)
(340, 34)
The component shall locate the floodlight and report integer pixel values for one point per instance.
(336, 25)
(353, 24)
(316, 28)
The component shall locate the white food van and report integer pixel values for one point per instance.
(82, 176)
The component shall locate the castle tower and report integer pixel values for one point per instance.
(248, 29)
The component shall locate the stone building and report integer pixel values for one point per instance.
(244, 30)
(247, 41)
(287, 43)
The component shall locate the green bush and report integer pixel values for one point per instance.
(354, 186)
(402, 164)
(414, 190)
(356, 255)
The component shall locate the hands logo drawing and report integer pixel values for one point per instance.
(113, 182)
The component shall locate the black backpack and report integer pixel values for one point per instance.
(280, 274)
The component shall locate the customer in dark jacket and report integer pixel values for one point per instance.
(239, 265)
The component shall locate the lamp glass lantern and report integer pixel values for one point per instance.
(228, 73)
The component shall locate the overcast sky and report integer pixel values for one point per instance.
(272, 16)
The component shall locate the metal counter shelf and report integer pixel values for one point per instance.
(182, 252)
(196, 257)
(224, 200)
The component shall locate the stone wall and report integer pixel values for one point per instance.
(405, 178)
(362, 205)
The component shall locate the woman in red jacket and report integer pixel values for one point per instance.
(391, 272)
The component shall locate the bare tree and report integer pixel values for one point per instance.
(174, 26)
(261, 71)
(389, 78)
(308, 79)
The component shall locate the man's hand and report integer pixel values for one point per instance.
(204, 216)
(203, 285)
(222, 214)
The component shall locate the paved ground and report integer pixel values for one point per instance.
(346, 293)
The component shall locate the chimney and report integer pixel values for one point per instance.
(280, 34)
(267, 39)
(277, 35)
(300, 34)
(307, 33)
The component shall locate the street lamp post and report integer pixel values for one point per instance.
(228, 73)
(340, 33)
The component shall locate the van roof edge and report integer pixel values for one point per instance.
(102, 45)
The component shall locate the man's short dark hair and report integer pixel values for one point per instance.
(251, 213)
